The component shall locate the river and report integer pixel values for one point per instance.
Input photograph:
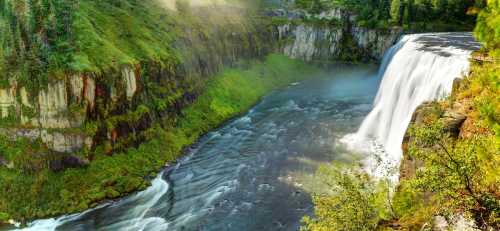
(255, 172)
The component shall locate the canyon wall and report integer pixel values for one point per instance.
(331, 36)
(79, 112)
(110, 110)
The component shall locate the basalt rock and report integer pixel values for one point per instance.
(338, 36)
(112, 108)
(453, 122)
(409, 165)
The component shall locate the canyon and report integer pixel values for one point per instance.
(212, 115)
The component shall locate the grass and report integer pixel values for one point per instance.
(109, 35)
(25, 196)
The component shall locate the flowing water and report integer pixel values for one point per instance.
(418, 69)
(252, 173)
(257, 171)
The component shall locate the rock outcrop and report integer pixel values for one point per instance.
(452, 118)
(80, 111)
(328, 36)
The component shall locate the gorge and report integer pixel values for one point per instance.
(248, 115)
(258, 167)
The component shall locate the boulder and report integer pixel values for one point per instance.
(453, 122)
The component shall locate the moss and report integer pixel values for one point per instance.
(26, 196)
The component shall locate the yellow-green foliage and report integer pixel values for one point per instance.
(461, 174)
(488, 27)
(356, 202)
(26, 196)
(483, 88)
(413, 208)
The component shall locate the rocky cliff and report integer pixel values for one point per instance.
(79, 112)
(457, 124)
(82, 111)
(330, 36)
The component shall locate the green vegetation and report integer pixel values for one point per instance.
(461, 174)
(413, 15)
(455, 175)
(355, 202)
(27, 195)
(50, 38)
(488, 28)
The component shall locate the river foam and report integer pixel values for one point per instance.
(250, 173)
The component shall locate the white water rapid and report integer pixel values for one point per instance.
(419, 68)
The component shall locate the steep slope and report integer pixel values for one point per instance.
(452, 151)
(330, 35)
(83, 81)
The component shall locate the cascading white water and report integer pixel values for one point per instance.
(419, 68)
(133, 217)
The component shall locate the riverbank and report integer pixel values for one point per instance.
(30, 196)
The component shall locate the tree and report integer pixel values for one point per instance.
(356, 202)
(488, 27)
(396, 7)
(458, 172)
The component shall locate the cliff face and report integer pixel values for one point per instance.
(456, 122)
(331, 36)
(81, 111)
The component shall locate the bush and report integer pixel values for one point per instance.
(356, 202)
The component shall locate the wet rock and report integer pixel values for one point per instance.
(67, 162)
(409, 165)
(455, 222)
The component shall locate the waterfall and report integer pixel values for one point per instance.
(419, 68)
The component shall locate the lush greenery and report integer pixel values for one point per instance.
(355, 202)
(414, 15)
(488, 27)
(25, 194)
(47, 40)
(456, 175)
(42, 38)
